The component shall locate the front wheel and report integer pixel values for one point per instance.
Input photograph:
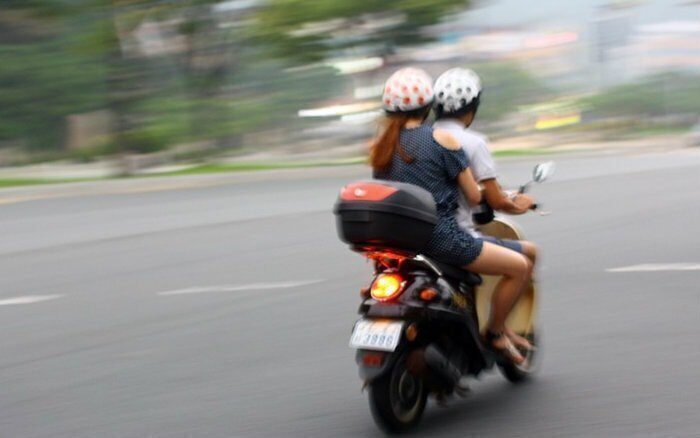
(397, 398)
(520, 373)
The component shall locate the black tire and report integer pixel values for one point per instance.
(521, 373)
(397, 399)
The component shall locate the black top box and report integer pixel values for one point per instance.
(381, 213)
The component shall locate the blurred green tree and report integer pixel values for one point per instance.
(505, 87)
(174, 71)
(663, 94)
(43, 77)
(308, 31)
(82, 55)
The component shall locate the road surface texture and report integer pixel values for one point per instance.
(221, 307)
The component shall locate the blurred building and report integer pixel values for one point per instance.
(552, 54)
(612, 28)
(666, 46)
(624, 51)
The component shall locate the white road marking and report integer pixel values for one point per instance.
(28, 299)
(654, 267)
(237, 288)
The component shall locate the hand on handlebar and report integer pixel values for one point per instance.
(524, 202)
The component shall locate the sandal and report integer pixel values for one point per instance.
(520, 342)
(508, 351)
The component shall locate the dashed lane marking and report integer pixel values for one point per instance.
(656, 267)
(238, 288)
(27, 299)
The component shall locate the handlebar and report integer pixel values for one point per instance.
(521, 191)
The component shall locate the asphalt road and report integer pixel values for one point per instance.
(222, 307)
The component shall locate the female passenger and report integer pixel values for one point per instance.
(409, 151)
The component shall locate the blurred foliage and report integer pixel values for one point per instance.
(670, 93)
(181, 72)
(505, 87)
(223, 74)
(43, 82)
(311, 30)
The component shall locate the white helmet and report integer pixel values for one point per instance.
(455, 89)
(407, 89)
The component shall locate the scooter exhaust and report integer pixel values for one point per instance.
(439, 363)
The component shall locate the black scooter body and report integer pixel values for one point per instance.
(448, 338)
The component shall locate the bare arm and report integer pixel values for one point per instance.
(500, 202)
(465, 179)
(469, 187)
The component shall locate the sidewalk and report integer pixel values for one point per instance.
(530, 145)
(121, 186)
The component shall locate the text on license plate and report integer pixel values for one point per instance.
(373, 334)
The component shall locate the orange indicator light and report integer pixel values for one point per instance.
(428, 294)
(411, 332)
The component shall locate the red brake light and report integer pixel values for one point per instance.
(373, 359)
(366, 192)
(386, 287)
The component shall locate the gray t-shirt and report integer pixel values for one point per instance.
(480, 162)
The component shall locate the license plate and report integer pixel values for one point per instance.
(374, 334)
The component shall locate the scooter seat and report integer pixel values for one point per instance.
(458, 273)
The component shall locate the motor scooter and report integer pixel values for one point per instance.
(422, 321)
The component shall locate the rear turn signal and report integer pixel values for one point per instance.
(429, 294)
(412, 332)
(386, 287)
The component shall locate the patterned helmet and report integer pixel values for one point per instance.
(408, 89)
(455, 89)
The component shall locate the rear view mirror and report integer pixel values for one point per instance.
(543, 171)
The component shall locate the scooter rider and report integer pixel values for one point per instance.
(407, 150)
(457, 98)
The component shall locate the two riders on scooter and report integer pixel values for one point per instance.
(448, 160)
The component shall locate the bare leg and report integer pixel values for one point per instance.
(529, 250)
(515, 269)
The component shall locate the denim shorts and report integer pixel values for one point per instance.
(506, 243)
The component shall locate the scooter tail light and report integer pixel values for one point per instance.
(373, 359)
(429, 294)
(386, 287)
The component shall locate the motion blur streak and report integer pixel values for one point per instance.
(245, 116)
(143, 86)
(113, 358)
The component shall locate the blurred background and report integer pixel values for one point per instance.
(211, 302)
(102, 88)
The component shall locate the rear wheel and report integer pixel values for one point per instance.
(397, 398)
(520, 373)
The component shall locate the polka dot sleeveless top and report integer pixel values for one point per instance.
(435, 169)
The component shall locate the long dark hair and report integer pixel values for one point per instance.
(383, 148)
